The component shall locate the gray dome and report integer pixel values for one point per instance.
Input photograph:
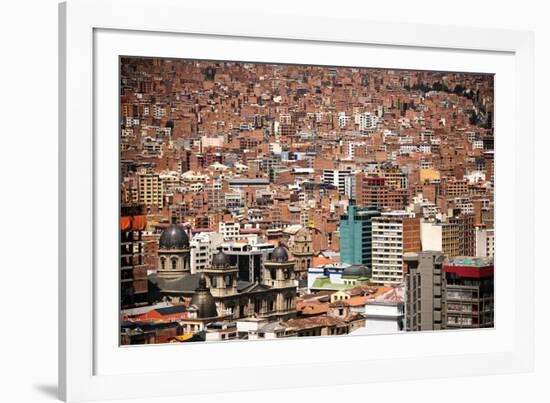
(220, 259)
(174, 237)
(357, 270)
(203, 300)
(279, 254)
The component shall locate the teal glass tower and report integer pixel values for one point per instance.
(356, 234)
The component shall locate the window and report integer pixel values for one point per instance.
(228, 281)
(174, 264)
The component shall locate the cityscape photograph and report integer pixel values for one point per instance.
(262, 201)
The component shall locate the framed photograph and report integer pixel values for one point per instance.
(246, 198)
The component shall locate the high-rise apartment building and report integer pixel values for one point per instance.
(393, 235)
(341, 179)
(468, 293)
(150, 189)
(356, 235)
(215, 195)
(454, 237)
(448, 293)
(133, 268)
(375, 189)
(423, 285)
(371, 190)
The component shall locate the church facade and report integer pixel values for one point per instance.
(272, 296)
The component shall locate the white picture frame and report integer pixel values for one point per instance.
(94, 32)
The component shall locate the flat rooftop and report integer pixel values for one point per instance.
(470, 261)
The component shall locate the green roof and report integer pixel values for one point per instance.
(324, 283)
(469, 261)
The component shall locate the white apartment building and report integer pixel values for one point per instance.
(477, 145)
(388, 247)
(159, 111)
(431, 236)
(485, 242)
(367, 121)
(341, 179)
(343, 120)
(203, 246)
(275, 148)
(230, 230)
(407, 149)
(425, 148)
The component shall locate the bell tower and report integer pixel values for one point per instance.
(279, 269)
(279, 275)
(174, 253)
(303, 252)
(221, 277)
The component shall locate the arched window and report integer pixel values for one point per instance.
(162, 263)
(174, 264)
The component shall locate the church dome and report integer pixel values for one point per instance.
(220, 259)
(357, 270)
(174, 237)
(203, 300)
(279, 254)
